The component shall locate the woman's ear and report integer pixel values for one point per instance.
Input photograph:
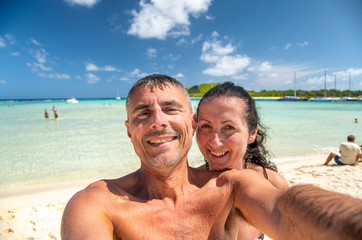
(253, 135)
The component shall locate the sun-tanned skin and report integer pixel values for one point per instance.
(165, 198)
(223, 137)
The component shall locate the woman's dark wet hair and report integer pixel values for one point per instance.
(256, 152)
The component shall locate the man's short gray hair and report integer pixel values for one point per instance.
(157, 81)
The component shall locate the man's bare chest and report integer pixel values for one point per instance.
(156, 219)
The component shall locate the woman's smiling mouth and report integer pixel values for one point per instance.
(218, 154)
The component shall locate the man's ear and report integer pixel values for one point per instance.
(127, 126)
(194, 122)
(253, 135)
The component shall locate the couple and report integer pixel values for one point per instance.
(167, 199)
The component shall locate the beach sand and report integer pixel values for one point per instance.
(34, 212)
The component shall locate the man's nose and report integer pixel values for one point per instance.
(159, 119)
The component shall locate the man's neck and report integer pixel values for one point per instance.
(164, 183)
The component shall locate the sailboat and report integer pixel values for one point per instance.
(293, 98)
(118, 98)
(349, 98)
(325, 98)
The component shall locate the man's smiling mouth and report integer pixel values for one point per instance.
(161, 140)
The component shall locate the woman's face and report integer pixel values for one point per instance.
(222, 132)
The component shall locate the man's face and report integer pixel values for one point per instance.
(160, 125)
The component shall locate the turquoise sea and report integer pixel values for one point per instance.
(89, 138)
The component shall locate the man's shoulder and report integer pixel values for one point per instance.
(350, 144)
(105, 188)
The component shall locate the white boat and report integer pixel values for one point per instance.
(72, 100)
(118, 98)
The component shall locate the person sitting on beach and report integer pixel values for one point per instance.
(167, 199)
(230, 136)
(350, 153)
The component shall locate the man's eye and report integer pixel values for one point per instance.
(171, 110)
(143, 114)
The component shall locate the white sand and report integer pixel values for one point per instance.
(35, 212)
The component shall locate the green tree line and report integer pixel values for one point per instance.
(200, 90)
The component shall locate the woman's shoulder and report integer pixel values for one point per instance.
(274, 178)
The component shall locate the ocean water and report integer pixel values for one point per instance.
(89, 139)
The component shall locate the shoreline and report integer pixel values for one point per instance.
(35, 211)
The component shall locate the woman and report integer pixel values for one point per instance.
(230, 136)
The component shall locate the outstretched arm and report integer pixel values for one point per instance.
(301, 212)
(314, 213)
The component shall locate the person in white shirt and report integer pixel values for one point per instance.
(350, 153)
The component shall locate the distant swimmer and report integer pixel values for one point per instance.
(46, 114)
(355, 120)
(56, 114)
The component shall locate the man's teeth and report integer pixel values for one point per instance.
(162, 140)
(218, 154)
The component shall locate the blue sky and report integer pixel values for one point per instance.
(92, 48)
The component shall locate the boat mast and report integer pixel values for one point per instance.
(325, 83)
(349, 83)
(295, 84)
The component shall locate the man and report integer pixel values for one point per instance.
(350, 153)
(166, 199)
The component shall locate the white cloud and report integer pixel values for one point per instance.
(55, 75)
(287, 46)
(15, 54)
(224, 64)
(162, 18)
(35, 42)
(8, 39)
(183, 41)
(83, 3)
(109, 68)
(302, 44)
(179, 75)
(2, 82)
(213, 51)
(265, 66)
(40, 55)
(90, 67)
(171, 57)
(2, 43)
(92, 79)
(228, 66)
(197, 39)
(209, 17)
(152, 53)
(36, 67)
(341, 77)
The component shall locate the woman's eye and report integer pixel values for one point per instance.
(204, 126)
(228, 127)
